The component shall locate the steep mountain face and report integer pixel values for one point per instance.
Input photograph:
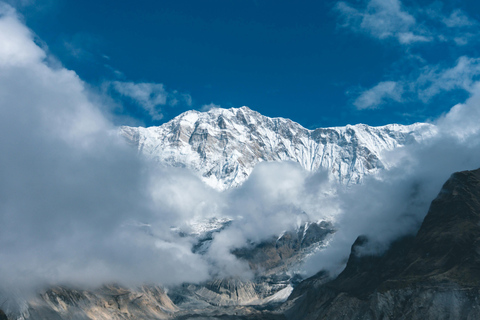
(433, 275)
(224, 145)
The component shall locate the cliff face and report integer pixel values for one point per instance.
(433, 275)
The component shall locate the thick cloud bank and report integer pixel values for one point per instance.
(71, 193)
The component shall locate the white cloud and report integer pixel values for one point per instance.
(462, 121)
(390, 19)
(458, 18)
(409, 37)
(70, 187)
(16, 47)
(382, 19)
(428, 83)
(435, 80)
(373, 98)
(152, 97)
(207, 107)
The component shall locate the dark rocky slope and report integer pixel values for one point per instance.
(433, 275)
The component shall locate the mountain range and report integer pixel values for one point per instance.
(224, 145)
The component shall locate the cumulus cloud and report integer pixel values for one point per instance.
(462, 120)
(16, 45)
(378, 95)
(152, 97)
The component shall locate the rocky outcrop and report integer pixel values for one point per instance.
(108, 302)
(432, 275)
(224, 145)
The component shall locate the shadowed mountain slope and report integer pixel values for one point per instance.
(433, 275)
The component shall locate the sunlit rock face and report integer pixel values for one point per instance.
(106, 302)
(224, 145)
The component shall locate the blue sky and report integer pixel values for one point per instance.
(319, 63)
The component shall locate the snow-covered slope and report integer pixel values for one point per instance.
(224, 145)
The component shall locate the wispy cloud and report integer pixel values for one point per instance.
(152, 97)
(391, 19)
(422, 86)
(209, 106)
(435, 80)
(458, 18)
(382, 19)
(82, 46)
(378, 95)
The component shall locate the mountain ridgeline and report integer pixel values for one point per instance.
(224, 145)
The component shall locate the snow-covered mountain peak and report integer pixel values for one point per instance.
(224, 145)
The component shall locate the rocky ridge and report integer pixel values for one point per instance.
(106, 302)
(224, 145)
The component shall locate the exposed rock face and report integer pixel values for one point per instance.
(108, 302)
(433, 275)
(223, 146)
(273, 263)
(279, 254)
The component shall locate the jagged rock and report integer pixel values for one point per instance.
(224, 145)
